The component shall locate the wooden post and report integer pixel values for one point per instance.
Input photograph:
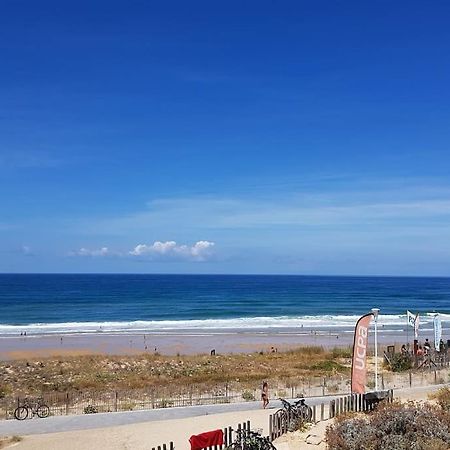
(67, 403)
(322, 411)
(410, 379)
(270, 427)
(314, 414)
(116, 398)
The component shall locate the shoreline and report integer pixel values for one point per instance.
(183, 343)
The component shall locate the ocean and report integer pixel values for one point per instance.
(76, 303)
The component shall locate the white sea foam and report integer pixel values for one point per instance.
(241, 324)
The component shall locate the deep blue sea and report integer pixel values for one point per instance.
(158, 303)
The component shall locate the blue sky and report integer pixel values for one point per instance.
(225, 137)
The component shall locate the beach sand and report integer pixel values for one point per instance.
(173, 343)
(144, 436)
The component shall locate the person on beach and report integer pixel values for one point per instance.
(265, 394)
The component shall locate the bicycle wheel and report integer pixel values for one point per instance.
(305, 412)
(283, 419)
(21, 413)
(43, 411)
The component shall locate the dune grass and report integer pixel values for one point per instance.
(106, 373)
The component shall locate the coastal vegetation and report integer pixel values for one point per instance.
(108, 373)
(412, 425)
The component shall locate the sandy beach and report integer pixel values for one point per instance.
(20, 347)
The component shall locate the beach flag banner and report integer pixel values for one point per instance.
(359, 360)
(437, 331)
(416, 326)
(411, 318)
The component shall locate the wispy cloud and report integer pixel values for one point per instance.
(170, 250)
(92, 253)
(288, 211)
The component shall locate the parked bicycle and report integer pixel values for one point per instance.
(304, 411)
(30, 407)
(290, 413)
(250, 440)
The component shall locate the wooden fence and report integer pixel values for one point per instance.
(66, 403)
(280, 421)
(164, 447)
(357, 403)
(229, 436)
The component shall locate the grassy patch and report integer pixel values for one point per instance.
(329, 366)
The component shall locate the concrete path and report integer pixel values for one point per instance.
(102, 420)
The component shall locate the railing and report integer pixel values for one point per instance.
(280, 421)
(357, 403)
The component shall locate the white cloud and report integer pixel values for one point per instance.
(200, 251)
(101, 252)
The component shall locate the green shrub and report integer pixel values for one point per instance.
(248, 396)
(90, 409)
(400, 363)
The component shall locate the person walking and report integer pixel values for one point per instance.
(265, 394)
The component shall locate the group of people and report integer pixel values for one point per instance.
(422, 350)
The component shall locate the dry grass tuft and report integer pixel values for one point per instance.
(7, 441)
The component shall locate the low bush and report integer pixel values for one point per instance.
(392, 426)
(298, 424)
(400, 363)
(442, 397)
(248, 396)
(90, 409)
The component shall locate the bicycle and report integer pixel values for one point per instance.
(250, 440)
(290, 413)
(32, 407)
(305, 411)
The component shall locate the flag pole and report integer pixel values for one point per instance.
(407, 330)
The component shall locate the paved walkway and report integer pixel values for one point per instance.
(89, 421)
